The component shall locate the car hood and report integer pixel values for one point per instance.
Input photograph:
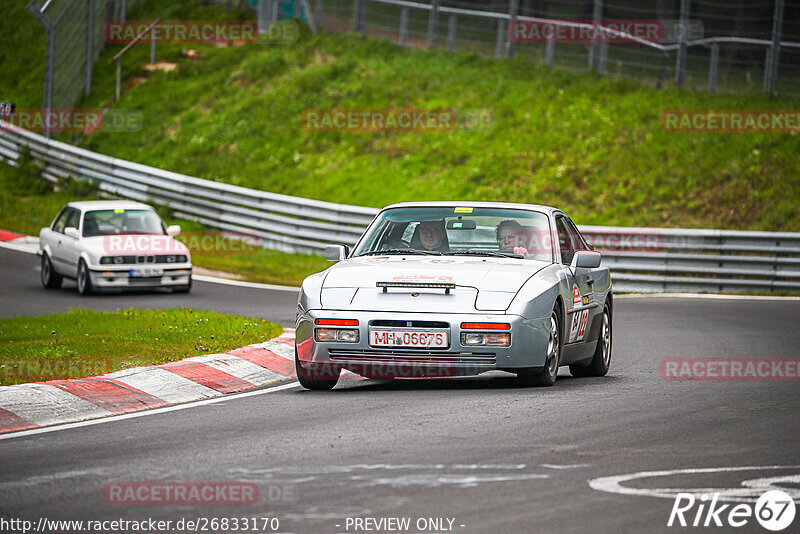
(482, 284)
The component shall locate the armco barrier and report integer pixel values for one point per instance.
(642, 259)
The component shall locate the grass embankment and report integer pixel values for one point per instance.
(87, 343)
(589, 144)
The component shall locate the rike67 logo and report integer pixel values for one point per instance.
(774, 510)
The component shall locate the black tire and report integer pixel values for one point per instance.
(183, 289)
(601, 360)
(546, 376)
(304, 377)
(50, 278)
(84, 280)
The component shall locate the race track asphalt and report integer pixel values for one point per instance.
(484, 452)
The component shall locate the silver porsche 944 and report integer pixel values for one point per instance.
(441, 289)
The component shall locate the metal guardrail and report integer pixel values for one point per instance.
(642, 259)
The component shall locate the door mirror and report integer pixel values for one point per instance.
(586, 259)
(174, 230)
(336, 252)
(71, 232)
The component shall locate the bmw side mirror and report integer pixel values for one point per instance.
(71, 232)
(174, 230)
(586, 259)
(336, 252)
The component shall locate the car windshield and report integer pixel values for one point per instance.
(479, 231)
(122, 221)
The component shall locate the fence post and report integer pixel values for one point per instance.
(87, 90)
(597, 15)
(49, 59)
(549, 50)
(501, 38)
(358, 23)
(775, 49)
(318, 13)
(602, 61)
(663, 70)
(276, 11)
(403, 26)
(119, 75)
(680, 66)
(124, 10)
(153, 45)
(451, 32)
(513, 8)
(433, 22)
(713, 67)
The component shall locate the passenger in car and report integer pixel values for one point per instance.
(508, 232)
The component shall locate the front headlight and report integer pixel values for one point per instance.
(336, 334)
(108, 260)
(473, 339)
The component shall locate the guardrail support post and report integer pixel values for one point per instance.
(451, 32)
(501, 38)
(550, 50)
(713, 65)
(433, 22)
(513, 9)
(594, 53)
(771, 78)
(403, 26)
(680, 65)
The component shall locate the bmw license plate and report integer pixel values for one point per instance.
(434, 339)
(146, 273)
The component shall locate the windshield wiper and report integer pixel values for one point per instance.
(400, 251)
(493, 253)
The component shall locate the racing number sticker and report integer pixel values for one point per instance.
(578, 329)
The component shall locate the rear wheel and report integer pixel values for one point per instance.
(50, 278)
(84, 280)
(322, 380)
(546, 376)
(601, 360)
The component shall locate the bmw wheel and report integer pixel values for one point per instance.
(50, 278)
(84, 280)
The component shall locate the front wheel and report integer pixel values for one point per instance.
(601, 360)
(84, 279)
(50, 278)
(323, 380)
(546, 376)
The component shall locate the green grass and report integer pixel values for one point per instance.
(591, 145)
(87, 343)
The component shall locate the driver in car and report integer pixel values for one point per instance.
(433, 236)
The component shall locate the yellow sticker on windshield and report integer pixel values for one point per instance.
(119, 211)
(462, 210)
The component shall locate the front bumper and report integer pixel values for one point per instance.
(529, 338)
(104, 277)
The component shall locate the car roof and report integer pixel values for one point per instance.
(472, 204)
(86, 205)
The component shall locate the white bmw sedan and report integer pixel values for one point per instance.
(113, 245)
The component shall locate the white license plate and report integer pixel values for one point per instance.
(146, 273)
(408, 338)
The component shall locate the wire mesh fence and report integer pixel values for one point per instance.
(74, 36)
(719, 45)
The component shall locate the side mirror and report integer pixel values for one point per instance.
(71, 232)
(336, 252)
(174, 230)
(586, 259)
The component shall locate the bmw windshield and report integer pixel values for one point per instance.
(451, 230)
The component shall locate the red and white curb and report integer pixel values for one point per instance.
(29, 406)
(20, 242)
